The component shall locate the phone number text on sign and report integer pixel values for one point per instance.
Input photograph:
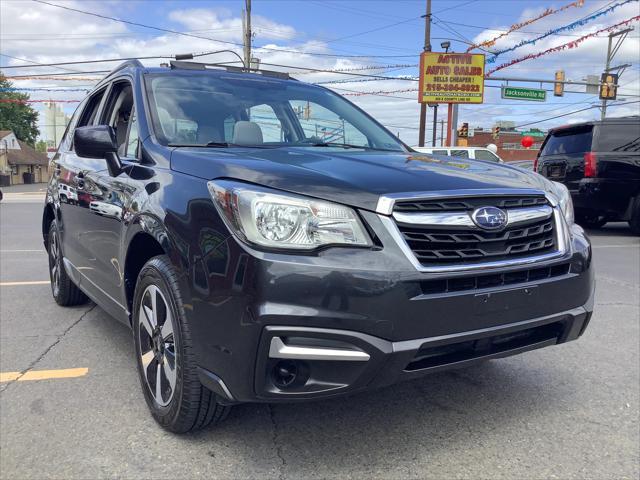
(451, 78)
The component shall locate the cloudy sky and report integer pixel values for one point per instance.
(326, 34)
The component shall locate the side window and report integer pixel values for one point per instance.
(460, 153)
(321, 124)
(440, 152)
(269, 123)
(91, 108)
(120, 115)
(486, 155)
(131, 149)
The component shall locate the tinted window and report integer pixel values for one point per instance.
(460, 153)
(91, 109)
(486, 155)
(119, 114)
(440, 152)
(619, 138)
(570, 140)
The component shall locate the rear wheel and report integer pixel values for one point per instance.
(164, 352)
(64, 291)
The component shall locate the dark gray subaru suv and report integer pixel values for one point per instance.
(267, 241)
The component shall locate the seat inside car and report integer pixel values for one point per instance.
(247, 133)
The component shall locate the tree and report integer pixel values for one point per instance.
(18, 117)
(41, 146)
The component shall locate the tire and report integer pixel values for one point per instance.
(64, 291)
(592, 221)
(634, 221)
(180, 403)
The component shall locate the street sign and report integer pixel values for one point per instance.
(451, 78)
(533, 133)
(520, 93)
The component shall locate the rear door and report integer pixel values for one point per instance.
(562, 154)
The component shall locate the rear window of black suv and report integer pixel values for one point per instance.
(569, 140)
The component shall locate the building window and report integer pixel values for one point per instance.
(14, 169)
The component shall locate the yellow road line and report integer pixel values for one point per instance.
(20, 284)
(43, 374)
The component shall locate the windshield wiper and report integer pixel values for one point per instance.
(348, 145)
(209, 144)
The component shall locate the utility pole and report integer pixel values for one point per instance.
(246, 26)
(427, 48)
(611, 52)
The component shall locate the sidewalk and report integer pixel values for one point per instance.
(34, 187)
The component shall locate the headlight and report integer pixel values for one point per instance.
(564, 200)
(278, 220)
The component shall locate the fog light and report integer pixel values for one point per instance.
(285, 374)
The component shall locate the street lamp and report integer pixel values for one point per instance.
(446, 46)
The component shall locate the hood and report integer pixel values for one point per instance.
(356, 178)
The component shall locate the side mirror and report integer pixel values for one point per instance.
(98, 141)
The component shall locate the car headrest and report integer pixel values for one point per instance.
(247, 133)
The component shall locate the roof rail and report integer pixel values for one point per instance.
(182, 65)
(127, 63)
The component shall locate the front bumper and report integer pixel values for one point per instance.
(371, 301)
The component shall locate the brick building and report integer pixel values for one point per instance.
(508, 143)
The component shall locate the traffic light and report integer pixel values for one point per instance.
(558, 87)
(608, 86)
(463, 132)
(496, 132)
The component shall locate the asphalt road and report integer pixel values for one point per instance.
(570, 411)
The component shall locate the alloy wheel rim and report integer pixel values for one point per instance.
(158, 353)
(54, 263)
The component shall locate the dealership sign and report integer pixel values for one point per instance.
(519, 93)
(451, 78)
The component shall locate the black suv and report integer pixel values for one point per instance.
(269, 241)
(600, 164)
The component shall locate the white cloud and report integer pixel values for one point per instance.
(46, 34)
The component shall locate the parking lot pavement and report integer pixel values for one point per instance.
(570, 411)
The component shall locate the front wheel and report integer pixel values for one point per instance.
(634, 221)
(64, 291)
(164, 352)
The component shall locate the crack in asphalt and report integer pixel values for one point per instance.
(276, 441)
(58, 339)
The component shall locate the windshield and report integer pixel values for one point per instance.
(228, 110)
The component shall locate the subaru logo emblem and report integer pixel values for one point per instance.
(489, 218)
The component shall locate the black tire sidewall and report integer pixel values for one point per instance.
(152, 274)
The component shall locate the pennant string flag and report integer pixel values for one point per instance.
(569, 45)
(517, 26)
(569, 27)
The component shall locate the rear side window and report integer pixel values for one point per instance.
(619, 138)
(460, 153)
(440, 152)
(570, 140)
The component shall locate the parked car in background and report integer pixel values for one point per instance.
(599, 162)
(263, 254)
(68, 194)
(474, 153)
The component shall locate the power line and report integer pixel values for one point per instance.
(575, 111)
(176, 32)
